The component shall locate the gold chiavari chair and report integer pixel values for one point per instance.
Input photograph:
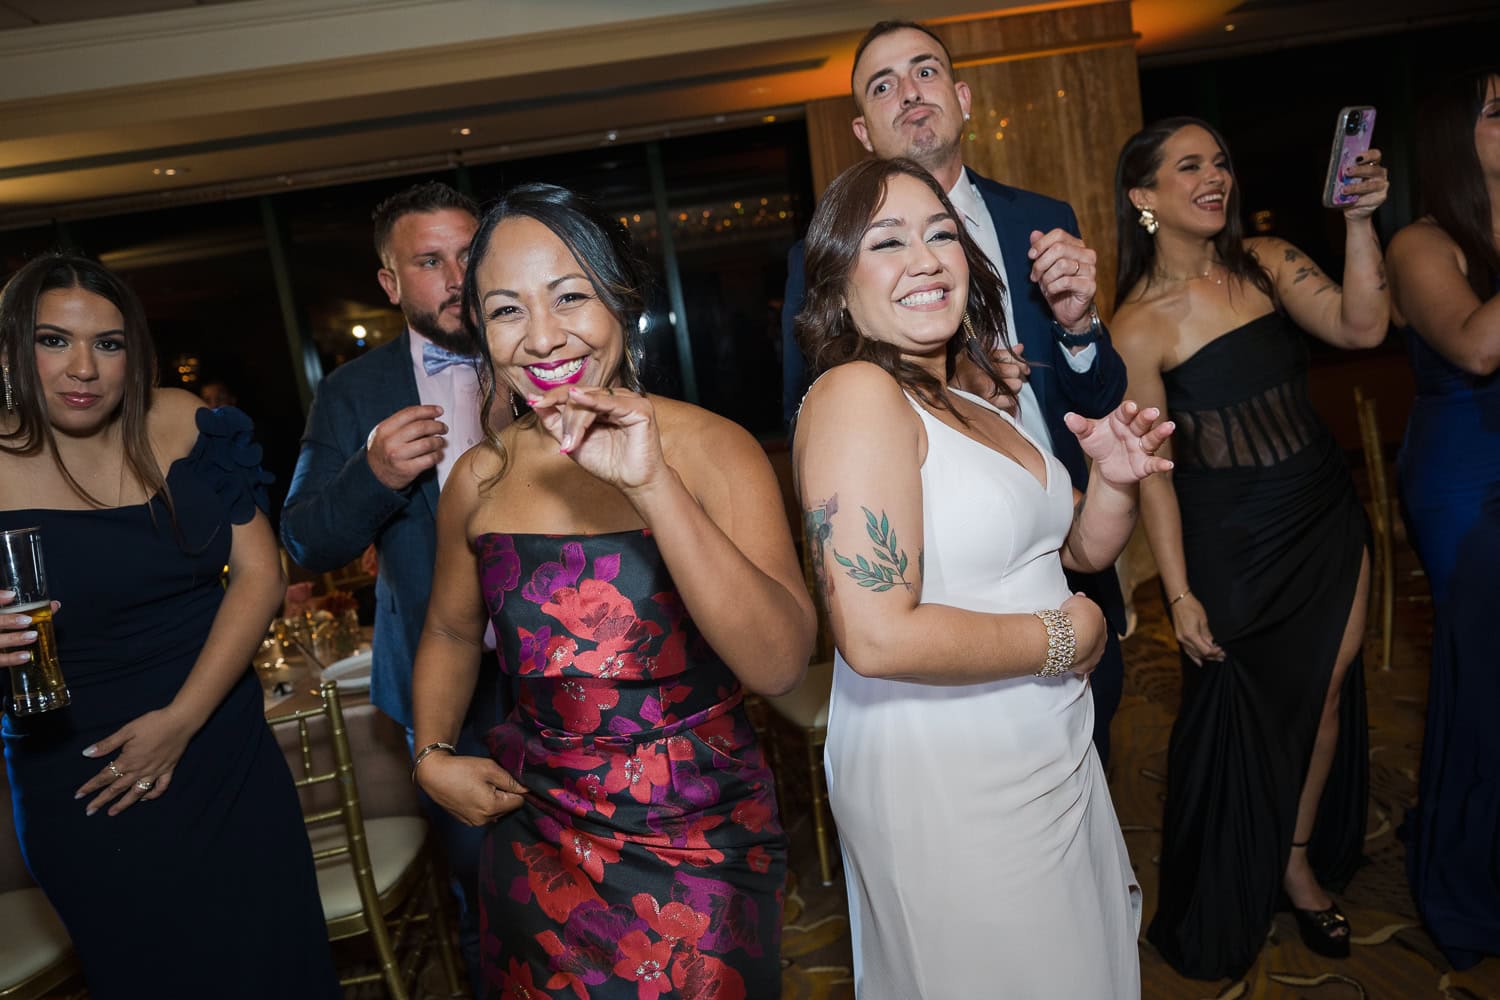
(376, 877)
(1382, 514)
(36, 956)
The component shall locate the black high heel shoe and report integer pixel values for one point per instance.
(1320, 928)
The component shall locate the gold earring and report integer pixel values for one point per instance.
(515, 411)
(969, 328)
(1148, 221)
(10, 390)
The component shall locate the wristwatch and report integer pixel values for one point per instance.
(1083, 339)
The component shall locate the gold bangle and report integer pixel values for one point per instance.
(422, 755)
(1179, 597)
(1061, 642)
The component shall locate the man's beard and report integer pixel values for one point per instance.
(428, 324)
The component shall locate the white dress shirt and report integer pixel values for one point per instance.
(966, 198)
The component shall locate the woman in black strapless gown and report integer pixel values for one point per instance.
(1261, 545)
(182, 868)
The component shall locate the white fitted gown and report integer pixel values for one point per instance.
(981, 849)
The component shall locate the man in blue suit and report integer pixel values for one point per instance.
(911, 105)
(383, 432)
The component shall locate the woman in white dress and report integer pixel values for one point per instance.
(981, 849)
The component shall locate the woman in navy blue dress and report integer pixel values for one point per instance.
(1445, 271)
(155, 811)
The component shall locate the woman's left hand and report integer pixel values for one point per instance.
(1123, 445)
(1368, 180)
(149, 748)
(610, 432)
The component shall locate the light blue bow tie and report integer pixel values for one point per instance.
(436, 358)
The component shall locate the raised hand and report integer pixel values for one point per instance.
(406, 444)
(1065, 270)
(149, 748)
(1123, 445)
(610, 432)
(16, 633)
(1367, 179)
(475, 789)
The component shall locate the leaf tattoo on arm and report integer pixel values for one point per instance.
(888, 569)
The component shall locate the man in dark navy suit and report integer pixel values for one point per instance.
(911, 105)
(383, 432)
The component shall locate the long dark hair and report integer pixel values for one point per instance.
(602, 247)
(1450, 181)
(33, 432)
(1139, 161)
(825, 329)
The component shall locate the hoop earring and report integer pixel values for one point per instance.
(969, 328)
(10, 390)
(1147, 221)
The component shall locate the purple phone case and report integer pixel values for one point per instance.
(1345, 149)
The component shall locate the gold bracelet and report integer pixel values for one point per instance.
(1061, 642)
(1179, 597)
(422, 755)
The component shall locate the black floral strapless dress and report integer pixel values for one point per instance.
(648, 860)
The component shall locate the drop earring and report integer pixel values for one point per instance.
(969, 328)
(10, 391)
(1147, 221)
(515, 411)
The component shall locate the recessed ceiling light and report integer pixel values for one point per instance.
(768, 119)
(465, 130)
(168, 171)
(1228, 27)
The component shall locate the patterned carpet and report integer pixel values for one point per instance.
(1393, 958)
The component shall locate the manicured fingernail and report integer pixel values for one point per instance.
(24, 620)
(29, 636)
(533, 400)
(7, 594)
(25, 656)
(90, 811)
(77, 795)
(90, 751)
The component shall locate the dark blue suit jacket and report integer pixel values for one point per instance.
(1059, 389)
(336, 508)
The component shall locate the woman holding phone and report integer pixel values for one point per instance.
(1445, 276)
(1261, 544)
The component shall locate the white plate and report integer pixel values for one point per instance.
(351, 673)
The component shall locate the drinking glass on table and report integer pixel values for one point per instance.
(36, 685)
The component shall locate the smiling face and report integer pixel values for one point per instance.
(80, 359)
(910, 281)
(1191, 186)
(425, 259)
(543, 319)
(910, 103)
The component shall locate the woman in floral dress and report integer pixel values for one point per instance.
(633, 555)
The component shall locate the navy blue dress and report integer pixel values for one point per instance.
(209, 890)
(1450, 496)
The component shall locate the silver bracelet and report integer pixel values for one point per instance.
(1061, 642)
(423, 753)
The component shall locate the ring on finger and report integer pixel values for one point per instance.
(145, 784)
(114, 770)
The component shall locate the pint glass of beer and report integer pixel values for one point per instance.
(37, 685)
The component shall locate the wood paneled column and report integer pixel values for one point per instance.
(1056, 94)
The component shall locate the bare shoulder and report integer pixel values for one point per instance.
(688, 430)
(850, 385)
(1135, 327)
(1420, 239)
(172, 422)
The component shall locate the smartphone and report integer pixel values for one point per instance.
(1351, 137)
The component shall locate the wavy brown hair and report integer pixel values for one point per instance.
(33, 431)
(1139, 161)
(1450, 181)
(825, 329)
